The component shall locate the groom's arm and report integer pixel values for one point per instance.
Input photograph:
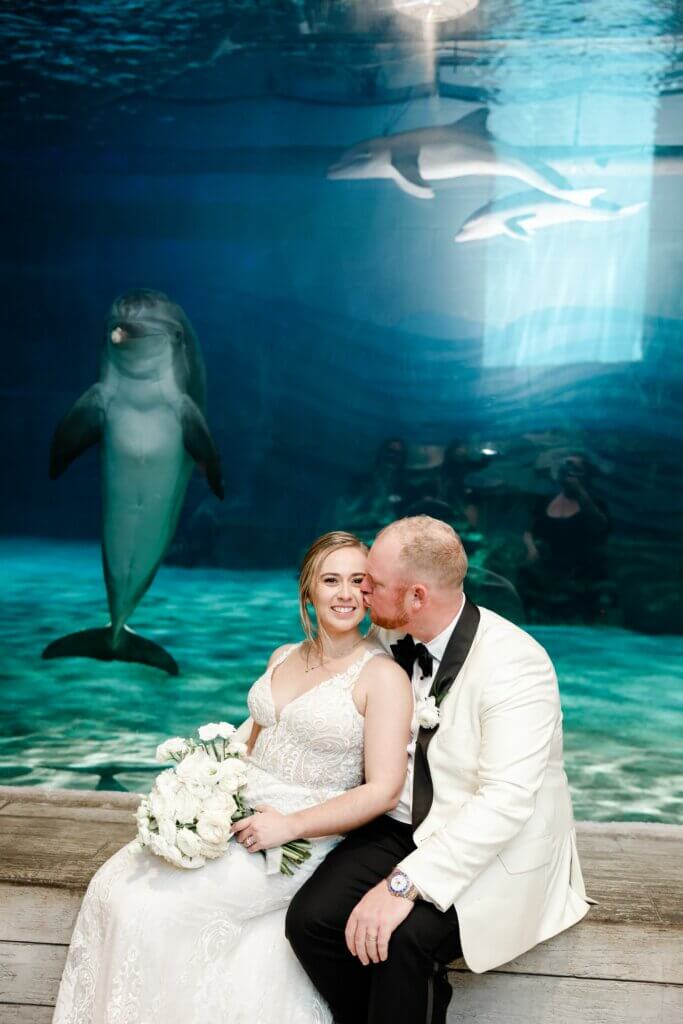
(519, 713)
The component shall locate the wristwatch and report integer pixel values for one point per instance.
(399, 884)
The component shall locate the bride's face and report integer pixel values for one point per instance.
(336, 592)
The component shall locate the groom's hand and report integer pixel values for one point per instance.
(372, 923)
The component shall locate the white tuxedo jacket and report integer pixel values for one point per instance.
(499, 841)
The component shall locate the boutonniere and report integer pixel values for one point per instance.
(427, 713)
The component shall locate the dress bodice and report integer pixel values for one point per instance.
(316, 743)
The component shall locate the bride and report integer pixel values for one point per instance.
(330, 723)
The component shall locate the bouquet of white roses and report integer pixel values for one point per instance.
(186, 817)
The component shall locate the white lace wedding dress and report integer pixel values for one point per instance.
(155, 944)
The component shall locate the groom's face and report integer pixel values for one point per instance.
(384, 589)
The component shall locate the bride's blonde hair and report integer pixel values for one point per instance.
(310, 566)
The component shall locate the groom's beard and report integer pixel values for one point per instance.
(396, 621)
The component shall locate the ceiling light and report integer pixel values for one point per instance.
(435, 10)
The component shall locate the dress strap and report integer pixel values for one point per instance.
(354, 671)
(284, 654)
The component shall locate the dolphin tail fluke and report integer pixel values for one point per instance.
(99, 643)
(582, 196)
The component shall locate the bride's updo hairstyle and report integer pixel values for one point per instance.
(310, 567)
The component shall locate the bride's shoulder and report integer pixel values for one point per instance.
(280, 653)
(382, 665)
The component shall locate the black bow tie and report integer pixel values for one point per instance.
(406, 652)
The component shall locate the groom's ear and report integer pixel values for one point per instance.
(419, 596)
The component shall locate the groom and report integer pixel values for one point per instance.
(479, 857)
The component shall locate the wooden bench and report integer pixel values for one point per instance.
(622, 965)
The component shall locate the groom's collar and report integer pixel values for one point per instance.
(439, 643)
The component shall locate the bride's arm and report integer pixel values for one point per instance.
(388, 711)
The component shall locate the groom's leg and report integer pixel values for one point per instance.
(318, 914)
(411, 986)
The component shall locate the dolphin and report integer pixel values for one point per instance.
(146, 412)
(413, 159)
(522, 214)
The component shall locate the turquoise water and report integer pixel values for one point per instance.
(83, 724)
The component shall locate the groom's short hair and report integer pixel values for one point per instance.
(430, 548)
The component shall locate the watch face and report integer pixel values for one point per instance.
(400, 883)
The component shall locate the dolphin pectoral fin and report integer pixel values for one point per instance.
(514, 229)
(408, 178)
(98, 643)
(77, 431)
(629, 211)
(199, 444)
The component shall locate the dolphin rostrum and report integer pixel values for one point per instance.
(522, 214)
(466, 147)
(147, 413)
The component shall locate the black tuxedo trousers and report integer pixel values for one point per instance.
(410, 987)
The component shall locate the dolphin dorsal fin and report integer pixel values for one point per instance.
(476, 122)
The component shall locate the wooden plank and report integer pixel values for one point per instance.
(611, 952)
(48, 851)
(70, 797)
(30, 973)
(19, 809)
(523, 999)
(15, 1014)
(36, 913)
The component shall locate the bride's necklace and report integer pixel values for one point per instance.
(336, 657)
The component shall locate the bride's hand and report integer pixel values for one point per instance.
(264, 830)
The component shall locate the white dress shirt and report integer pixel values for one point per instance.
(421, 687)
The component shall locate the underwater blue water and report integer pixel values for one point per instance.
(79, 724)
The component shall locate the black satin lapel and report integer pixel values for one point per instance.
(456, 652)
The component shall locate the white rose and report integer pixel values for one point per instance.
(220, 803)
(175, 746)
(167, 830)
(209, 852)
(209, 731)
(144, 834)
(427, 713)
(188, 843)
(214, 828)
(161, 806)
(225, 730)
(166, 850)
(232, 775)
(187, 806)
(235, 747)
(142, 812)
(195, 768)
(167, 783)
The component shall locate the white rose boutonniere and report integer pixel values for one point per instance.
(427, 713)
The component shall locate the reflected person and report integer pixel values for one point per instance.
(565, 546)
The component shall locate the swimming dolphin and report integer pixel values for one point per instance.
(522, 214)
(413, 159)
(147, 413)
